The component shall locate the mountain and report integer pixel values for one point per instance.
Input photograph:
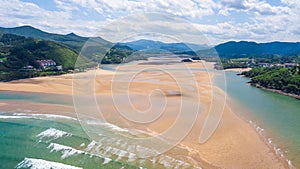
(18, 51)
(71, 40)
(96, 48)
(176, 48)
(249, 49)
(281, 48)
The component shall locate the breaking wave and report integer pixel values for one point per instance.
(43, 164)
(34, 116)
(52, 134)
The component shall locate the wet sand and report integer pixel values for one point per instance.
(234, 144)
(239, 70)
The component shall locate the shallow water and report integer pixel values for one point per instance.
(45, 141)
(274, 116)
(61, 141)
(46, 98)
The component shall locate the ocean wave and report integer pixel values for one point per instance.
(52, 134)
(43, 164)
(34, 116)
(66, 150)
(170, 162)
(110, 147)
(127, 154)
(13, 117)
(45, 116)
(70, 151)
(108, 125)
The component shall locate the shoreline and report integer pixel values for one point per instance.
(229, 146)
(238, 70)
(276, 91)
(268, 141)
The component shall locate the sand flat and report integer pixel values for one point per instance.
(234, 144)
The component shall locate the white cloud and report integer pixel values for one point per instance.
(263, 22)
(17, 13)
(115, 8)
(257, 7)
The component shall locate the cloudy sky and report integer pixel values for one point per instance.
(218, 20)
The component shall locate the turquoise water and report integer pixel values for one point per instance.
(37, 97)
(277, 115)
(54, 141)
(41, 139)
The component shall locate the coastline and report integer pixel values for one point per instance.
(234, 144)
(268, 141)
(276, 91)
(238, 70)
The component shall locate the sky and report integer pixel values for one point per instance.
(218, 20)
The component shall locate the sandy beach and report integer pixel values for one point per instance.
(234, 144)
(239, 70)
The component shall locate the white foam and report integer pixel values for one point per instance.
(69, 151)
(128, 155)
(259, 130)
(141, 149)
(131, 157)
(120, 150)
(269, 141)
(289, 163)
(53, 134)
(66, 150)
(108, 125)
(170, 162)
(35, 116)
(91, 145)
(110, 150)
(43, 164)
(14, 117)
(106, 160)
(277, 150)
(44, 116)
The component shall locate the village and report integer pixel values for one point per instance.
(46, 65)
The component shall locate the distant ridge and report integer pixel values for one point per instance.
(229, 49)
(71, 40)
(144, 44)
(248, 49)
(29, 31)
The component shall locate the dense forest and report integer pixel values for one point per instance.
(117, 54)
(278, 78)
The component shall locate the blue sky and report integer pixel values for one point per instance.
(217, 20)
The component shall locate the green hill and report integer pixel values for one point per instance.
(94, 46)
(18, 51)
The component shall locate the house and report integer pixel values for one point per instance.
(28, 67)
(279, 65)
(264, 64)
(290, 64)
(59, 68)
(46, 63)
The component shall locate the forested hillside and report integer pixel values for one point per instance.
(278, 78)
(18, 52)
